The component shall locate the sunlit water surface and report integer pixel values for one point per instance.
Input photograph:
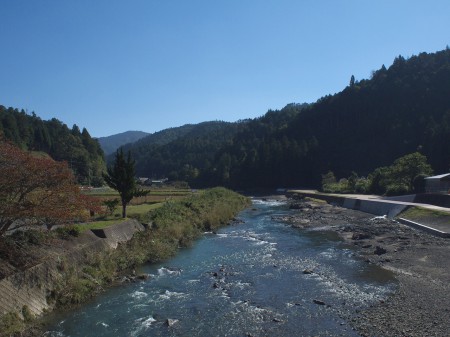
(246, 280)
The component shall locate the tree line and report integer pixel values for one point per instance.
(82, 152)
(405, 176)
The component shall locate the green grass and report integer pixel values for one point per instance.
(11, 325)
(140, 209)
(108, 192)
(420, 212)
(170, 192)
(139, 212)
(98, 224)
(319, 201)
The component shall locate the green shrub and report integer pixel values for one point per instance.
(111, 205)
(74, 289)
(11, 324)
(27, 314)
(397, 189)
(362, 186)
(66, 232)
(31, 236)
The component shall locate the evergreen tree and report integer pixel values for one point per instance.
(121, 177)
(352, 81)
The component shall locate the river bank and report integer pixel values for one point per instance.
(79, 267)
(246, 279)
(420, 304)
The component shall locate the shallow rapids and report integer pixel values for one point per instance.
(259, 278)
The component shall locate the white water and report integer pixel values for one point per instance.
(247, 279)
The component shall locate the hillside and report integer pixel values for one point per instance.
(83, 153)
(111, 143)
(401, 109)
(162, 137)
(181, 153)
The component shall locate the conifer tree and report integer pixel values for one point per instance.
(121, 177)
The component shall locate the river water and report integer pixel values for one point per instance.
(246, 280)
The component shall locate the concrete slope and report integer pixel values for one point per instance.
(33, 286)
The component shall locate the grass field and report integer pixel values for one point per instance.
(139, 208)
(422, 214)
(155, 195)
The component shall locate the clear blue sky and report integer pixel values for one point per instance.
(113, 66)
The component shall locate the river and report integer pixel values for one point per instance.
(258, 278)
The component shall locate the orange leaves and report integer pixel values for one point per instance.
(38, 190)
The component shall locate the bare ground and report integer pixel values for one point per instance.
(421, 304)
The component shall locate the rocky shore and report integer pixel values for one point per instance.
(420, 262)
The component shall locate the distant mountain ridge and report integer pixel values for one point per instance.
(111, 143)
(162, 137)
(180, 153)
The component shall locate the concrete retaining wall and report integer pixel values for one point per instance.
(376, 207)
(122, 232)
(391, 210)
(31, 287)
(417, 225)
(404, 198)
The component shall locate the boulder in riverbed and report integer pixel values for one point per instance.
(379, 250)
(171, 322)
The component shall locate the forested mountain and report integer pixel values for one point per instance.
(181, 153)
(111, 143)
(162, 137)
(83, 153)
(401, 109)
(242, 162)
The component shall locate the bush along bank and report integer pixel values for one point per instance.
(174, 225)
(178, 223)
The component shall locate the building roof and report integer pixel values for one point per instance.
(439, 177)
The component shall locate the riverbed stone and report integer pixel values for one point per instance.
(379, 250)
(171, 322)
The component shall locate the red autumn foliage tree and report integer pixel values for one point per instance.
(37, 190)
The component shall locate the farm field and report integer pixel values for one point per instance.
(138, 208)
